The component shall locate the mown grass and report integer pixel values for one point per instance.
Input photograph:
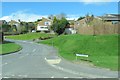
(9, 47)
(102, 49)
(29, 36)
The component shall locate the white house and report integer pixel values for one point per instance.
(70, 31)
(44, 25)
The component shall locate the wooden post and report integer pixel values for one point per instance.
(1, 37)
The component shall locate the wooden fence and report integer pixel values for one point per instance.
(99, 29)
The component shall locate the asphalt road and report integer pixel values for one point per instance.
(30, 63)
(41, 61)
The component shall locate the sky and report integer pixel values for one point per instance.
(31, 11)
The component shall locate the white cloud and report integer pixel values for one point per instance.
(23, 16)
(73, 17)
(28, 17)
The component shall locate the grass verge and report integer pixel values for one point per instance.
(9, 47)
(102, 49)
(29, 36)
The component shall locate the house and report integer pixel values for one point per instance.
(14, 25)
(3, 22)
(80, 23)
(70, 29)
(3, 26)
(44, 25)
(13, 22)
(113, 18)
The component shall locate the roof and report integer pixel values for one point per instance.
(13, 21)
(44, 20)
(3, 22)
(111, 17)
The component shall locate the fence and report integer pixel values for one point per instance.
(99, 29)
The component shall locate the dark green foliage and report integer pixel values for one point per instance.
(5, 27)
(80, 18)
(59, 25)
(39, 20)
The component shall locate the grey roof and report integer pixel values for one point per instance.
(111, 17)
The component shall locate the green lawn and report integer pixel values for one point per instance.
(102, 49)
(29, 36)
(9, 47)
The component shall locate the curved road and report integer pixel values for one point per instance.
(41, 61)
(30, 63)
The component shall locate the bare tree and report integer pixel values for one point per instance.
(60, 16)
(51, 17)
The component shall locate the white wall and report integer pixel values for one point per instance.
(42, 28)
(70, 31)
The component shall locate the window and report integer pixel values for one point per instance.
(46, 23)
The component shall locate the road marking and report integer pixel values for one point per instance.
(22, 75)
(34, 50)
(66, 77)
(53, 61)
(77, 73)
(23, 41)
(52, 77)
(6, 77)
(5, 64)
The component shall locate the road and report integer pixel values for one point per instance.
(30, 62)
(41, 61)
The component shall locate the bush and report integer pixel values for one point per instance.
(59, 25)
(11, 33)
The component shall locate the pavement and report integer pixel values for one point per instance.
(41, 61)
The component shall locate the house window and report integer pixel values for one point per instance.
(46, 23)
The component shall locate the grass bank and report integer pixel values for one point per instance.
(102, 49)
(29, 36)
(9, 47)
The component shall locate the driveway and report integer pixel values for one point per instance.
(41, 61)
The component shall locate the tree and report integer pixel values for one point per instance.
(89, 18)
(60, 16)
(19, 29)
(31, 26)
(51, 17)
(80, 18)
(39, 20)
(59, 25)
